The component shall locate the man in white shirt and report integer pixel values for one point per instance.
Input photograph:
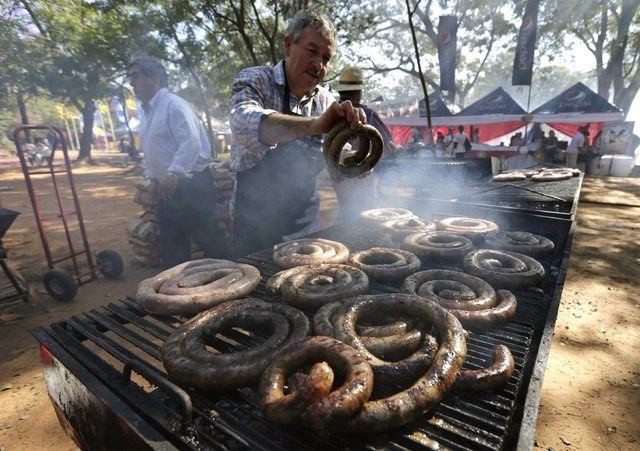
(459, 140)
(574, 146)
(448, 143)
(176, 154)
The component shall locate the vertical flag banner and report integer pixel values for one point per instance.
(526, 44)
(447, 42)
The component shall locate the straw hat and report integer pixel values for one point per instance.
(350, 79)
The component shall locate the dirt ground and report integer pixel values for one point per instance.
(591, 392)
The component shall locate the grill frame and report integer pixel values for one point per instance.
(65, 348)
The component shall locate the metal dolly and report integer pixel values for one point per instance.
(60, 284)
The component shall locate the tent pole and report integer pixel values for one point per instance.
(526, 124)
(422, 81)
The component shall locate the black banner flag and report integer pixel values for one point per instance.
(447, 41)
(526, 44)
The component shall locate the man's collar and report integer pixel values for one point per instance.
(278, 71)
(152, 102)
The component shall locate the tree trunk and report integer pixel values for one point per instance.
(24, 119)
(87, 130)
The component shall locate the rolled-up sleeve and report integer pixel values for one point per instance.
(247, 111)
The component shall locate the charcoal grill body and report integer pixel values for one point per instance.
(15, 291)
(94, 348)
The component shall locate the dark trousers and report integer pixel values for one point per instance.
(459, 156)
(190, 214)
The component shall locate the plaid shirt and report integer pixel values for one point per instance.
(256, 93)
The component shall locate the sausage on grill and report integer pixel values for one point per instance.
(469, 298)
(310, 287)
(390, 341)
(504, 269)
(398, 229)
(378, 216)
(316, 411)
(522, 242)
(439, 246)
(309, 251)
(188, 360)
(384, 264)
(490, 317)
(195, 286)
(409, 404)
(490, 378)
(473, 228)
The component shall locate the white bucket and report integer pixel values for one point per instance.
(616, 165)
(622, 165)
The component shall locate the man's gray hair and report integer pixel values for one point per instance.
(307, 18)
(151, 67)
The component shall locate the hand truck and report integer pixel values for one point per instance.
(59, 283)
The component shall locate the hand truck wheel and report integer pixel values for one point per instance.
(110, 264)
(60, 285)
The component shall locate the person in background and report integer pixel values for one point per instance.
(278, 116)
(460, 143)
(416, 137)
(550, 147)
(476, 136)
(176, 155)
(439, 145)
(575, 145)
(449, 143)
(536, 145)
(356, 195)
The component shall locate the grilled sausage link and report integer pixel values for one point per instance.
(335, 407)
(469, 298)
(377, 216)
(485, 319)
(391, 341)
(407, 405)
(522, 242)
(385, 264)
(473, 228)
(304, 390)
(309, 251)
(490, 378)
(451, 289)
(395, 373)
(438, 246)
(187, 359)
(398, 229)
(310, 287)
(364, 160)
(195, 286)
(504, 269)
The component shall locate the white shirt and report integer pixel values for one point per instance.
(460, 138)
(172, 137)
(576, 141)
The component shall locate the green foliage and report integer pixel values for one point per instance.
(76, 51)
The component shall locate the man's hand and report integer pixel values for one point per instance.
(167, 186)
(337, 111)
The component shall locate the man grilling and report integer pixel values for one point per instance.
(278, 115)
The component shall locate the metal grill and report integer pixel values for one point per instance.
(120, 336)
(558, 198)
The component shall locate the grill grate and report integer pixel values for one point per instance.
(120, 333)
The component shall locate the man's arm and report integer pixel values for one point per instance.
(277, 127)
